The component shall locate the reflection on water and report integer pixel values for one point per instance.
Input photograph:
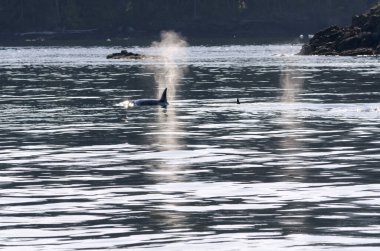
(294, 167)
(292, 84)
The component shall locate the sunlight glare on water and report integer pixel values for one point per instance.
(295, 166)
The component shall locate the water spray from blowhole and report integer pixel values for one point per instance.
(171, 50)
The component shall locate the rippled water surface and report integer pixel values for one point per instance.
(295, 166)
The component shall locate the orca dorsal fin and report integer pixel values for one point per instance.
(237, 101)
(163, 96)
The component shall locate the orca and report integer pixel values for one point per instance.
(145, 102)
(237, 101)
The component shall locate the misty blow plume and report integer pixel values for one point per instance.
(172, 49)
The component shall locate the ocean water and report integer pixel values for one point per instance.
(295, 166)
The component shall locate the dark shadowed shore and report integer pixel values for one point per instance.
(48, 22)
(361, 38)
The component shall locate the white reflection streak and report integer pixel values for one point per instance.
(292, 82)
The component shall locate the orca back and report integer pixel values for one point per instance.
(162, 101)
(142, 102)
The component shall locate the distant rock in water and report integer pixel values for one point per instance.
(361, 38)
(126, 55)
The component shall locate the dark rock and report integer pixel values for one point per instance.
(377, 50)
(358, 52)
(125, 55)
(306, 49)
(329, 35)
(359, 21)
(325, 51)
(371, 23)
(375, 36)
(349, 43)
(361, 38)
(367, 40)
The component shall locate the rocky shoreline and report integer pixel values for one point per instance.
(361, 38)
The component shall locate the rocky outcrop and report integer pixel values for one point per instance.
(361, 38)
(125, 55)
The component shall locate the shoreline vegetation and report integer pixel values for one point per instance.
(59, 20)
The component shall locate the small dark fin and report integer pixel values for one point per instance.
(237, 101)
(163, 96)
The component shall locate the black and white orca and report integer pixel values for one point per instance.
(163, 101)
